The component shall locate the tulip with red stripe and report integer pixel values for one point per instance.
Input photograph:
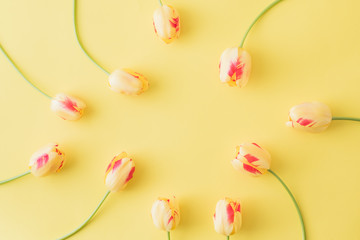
(165, 214)
(47, 160)
(227, 217)
(166, 21)
(67, 107)
(128, 82)
(252, 158)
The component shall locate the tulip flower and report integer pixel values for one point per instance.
(227, 217)
(235, 63)
(312, 117)
(166, 21)
(128, 82)
(123, 81)
(255, 160)
(117, 175)
(67, 107)
(49, 159)
(235, 67)
(252, 158)
(119, 172)
(165, 213)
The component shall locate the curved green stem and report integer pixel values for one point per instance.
(294, 201)
(346, 118)
(160, 2)
(81, 45)
(256, 19)
(16, 177)
(87, 220)
(168, 233)
(18, 70)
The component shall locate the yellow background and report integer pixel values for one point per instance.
(182, 132)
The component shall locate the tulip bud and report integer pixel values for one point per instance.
(166, 23)
(46, 160)
(128, 82)
(227, 217)
(166, 213)
(235, 67)
(252, 158)
(310, 117)
(119, 172)
(67, 107)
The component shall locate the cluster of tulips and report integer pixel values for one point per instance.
(235, 69)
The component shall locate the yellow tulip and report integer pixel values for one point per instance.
(165, 213)
(166, 23)
(227, 217)
(119, 172)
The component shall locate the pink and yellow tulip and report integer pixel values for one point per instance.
(252, 158)
(119, 172)
(227, 217)
(128, 82)
(47, 160)
(166, 21)
(310, 117)
(67, 107)
(235, 67)
(165, 213)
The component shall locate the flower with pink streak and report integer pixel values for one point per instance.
(48, 159)
(166, 21)
(235, 67)
(227, 217)
(165, 213)
(310, 117)
(67, 107)
(128, 82)
(252, 158)
(119, 172)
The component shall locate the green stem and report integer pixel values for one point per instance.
(18, 70)
(16, 177)
(256, 19)
(294, 201)
(81, 45)
(346, 118)
(228, 237)
(168, 233)
(160, 2)
(87, 220)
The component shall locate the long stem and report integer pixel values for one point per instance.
(16, 177)
(346, 118)
(81, 45)
(168, 233)
(228, 237)
(18, 70)
(87, 220)
(295, 203)
(256, 19)
(160, 2)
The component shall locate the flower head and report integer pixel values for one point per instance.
(166, 23)
(48, 159)
(166, 213)
(67, 107)
(252, 158)
(128, 82)
(119, 172)
(310, 117)
(227, 217)
(235, 67)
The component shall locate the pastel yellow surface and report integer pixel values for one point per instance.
(182, 132)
